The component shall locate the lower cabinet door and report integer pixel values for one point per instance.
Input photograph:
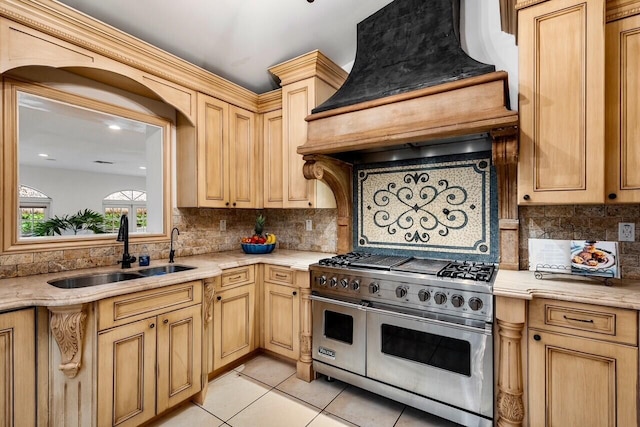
(581, 382)
(233, 324)
(17, 368)
(127, 374)
(179, 356)
(282, 320)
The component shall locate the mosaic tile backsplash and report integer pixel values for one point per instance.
(444, 207)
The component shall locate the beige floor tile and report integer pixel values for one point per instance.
(188, 415)
(365, 409)
(327, 420)
(275, 409)
(412, 417)
(231, 393)
(267, 369)
(318, 393)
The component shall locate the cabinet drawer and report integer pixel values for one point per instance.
(585, 320)
(279, 275)
(237, 276)
(116, 311)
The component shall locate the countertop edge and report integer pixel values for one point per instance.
(34, 291)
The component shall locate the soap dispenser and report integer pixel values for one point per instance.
(144, 257)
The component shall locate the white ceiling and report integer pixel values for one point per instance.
(239, 39)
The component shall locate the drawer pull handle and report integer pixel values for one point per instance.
(239, 276)
(284, 276)
(578, 320)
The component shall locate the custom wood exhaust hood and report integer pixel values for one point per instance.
(412, 83)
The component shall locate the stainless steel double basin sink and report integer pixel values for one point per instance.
(116, 276)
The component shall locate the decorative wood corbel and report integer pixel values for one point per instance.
(67, 326)
(338, 175)
(505, 159)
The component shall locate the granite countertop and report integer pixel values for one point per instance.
(35, 291)
(523, 285)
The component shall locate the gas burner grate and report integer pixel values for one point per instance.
(477, 271)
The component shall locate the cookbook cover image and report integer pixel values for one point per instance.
(594, 258)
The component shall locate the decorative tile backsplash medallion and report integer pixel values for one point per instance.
(438, 207)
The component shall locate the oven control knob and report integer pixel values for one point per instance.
(374, 288)
(457, 300)
(424, 295)
(401, 292)
(344, 283)
(440, 298)
(322, 280)
(355, 284)
(475, 304)
(333, 282)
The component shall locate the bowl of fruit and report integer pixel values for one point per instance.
(259, 243)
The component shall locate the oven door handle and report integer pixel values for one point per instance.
(361, 306)
(487, 330)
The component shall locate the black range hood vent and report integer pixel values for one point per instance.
(405, 46)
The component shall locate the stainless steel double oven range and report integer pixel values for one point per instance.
(416, 330)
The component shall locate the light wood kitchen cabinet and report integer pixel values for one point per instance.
(281, 312)
(17, 368)
(623, 109)
(149, 352)
(233, 326)
(298, 99)
(562, 85)
(273, 159)
(583, 365)
(217, 164)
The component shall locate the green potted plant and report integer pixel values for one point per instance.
(82, 220)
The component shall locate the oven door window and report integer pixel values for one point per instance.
(338, 326)
(447, 353)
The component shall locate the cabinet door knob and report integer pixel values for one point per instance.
(295, 293)
(165, 321)
(310, 204)
(234, 203)
(153, 325)
(612, 196)
(226, 204)
(537, 337)
(526, 197)
(218, 297)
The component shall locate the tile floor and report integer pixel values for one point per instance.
(265, 392)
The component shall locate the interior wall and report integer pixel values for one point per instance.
(71, 191)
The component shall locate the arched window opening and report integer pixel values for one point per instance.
(34, 209)
(130, 202)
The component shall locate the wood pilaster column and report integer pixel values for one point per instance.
(338, 175)
(207, 317)
(505, 160)
(305, 362)
(67, 326)
(510, 410)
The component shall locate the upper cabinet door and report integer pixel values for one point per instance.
(273, 159)
(561, 102)
(213, 152)
(243, 158)
(623, 110)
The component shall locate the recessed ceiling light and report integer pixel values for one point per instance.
(143, 167)
(43, 155)
(114, 127)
